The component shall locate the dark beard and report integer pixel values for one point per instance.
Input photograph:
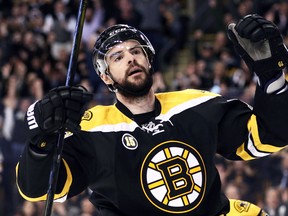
(130, 90)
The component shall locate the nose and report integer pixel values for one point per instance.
(130, 57)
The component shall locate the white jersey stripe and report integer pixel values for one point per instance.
(253, 150)
(115, 127)
(164, 117)
(184, 106)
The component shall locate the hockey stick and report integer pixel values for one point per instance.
(69, 81)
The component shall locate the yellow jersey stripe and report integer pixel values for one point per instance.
(253, 128)
(176, 109)
(61, 197)
(254, 145)
(242, 153)
(104, 115)
(174, 98)
(110, 119)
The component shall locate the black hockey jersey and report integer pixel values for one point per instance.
(160, 163)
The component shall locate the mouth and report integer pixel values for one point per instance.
(135, 71)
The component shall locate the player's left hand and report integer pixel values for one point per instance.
(260, 44)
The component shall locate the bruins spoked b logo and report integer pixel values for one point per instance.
(173, 177)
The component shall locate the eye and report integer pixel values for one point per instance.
(117, 57)
(136, 51)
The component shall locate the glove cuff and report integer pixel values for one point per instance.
(43, 145)
(276, 84)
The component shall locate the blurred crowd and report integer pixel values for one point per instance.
(35, 45)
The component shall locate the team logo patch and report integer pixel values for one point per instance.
(129, 141)
(241, 206)
(87, 116)
(173, 177)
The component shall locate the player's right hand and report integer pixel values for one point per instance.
(62, 107)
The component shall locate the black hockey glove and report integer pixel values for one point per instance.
(62, 107)
(260, 44)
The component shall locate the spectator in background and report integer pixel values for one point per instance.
(60, 209)
(241, 76)
(126, 13)
(4, 44)
(29, 47)
(187, 79)
(208, 17)
(232, 191)
(151, 26)
(28, 36)
(180, 81)
(273, 204)
(28, 209)
(9, 104)
(93, 20)
(284, 197)
(241, 8)
(19, 72)
(87, 208)
(283, 180)
(277, 13)
(62, 24)
(221, 166)
(174, 27)
(36, 89)
(282, 14)
(219, 78)
(204, 74)
(205, 52)
(35, 21)
(159, 84)
(223, 51)
(17, 134)
(243, 177)
(177, 20)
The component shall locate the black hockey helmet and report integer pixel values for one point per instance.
(114, 35)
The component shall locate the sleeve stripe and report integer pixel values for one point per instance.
(61, 197)
(242, 153)
(253, 147)
(253, 128)
(253, 150)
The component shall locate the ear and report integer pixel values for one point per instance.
(106, 79)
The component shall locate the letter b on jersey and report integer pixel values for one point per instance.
(176, 176)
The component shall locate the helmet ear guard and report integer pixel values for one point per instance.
(114, 35)
(110, 86)
(101, 66)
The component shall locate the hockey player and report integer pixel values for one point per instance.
(153, 154)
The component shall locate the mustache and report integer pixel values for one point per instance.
(134, 64)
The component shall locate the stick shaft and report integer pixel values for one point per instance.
(76, 43)
(57, 154)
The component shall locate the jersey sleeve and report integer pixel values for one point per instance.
(33, 173)
(32, 177)
(249, 133)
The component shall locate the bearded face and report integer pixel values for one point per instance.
(129, 69)
(139, 86)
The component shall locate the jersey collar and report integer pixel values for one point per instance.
(140, 118)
